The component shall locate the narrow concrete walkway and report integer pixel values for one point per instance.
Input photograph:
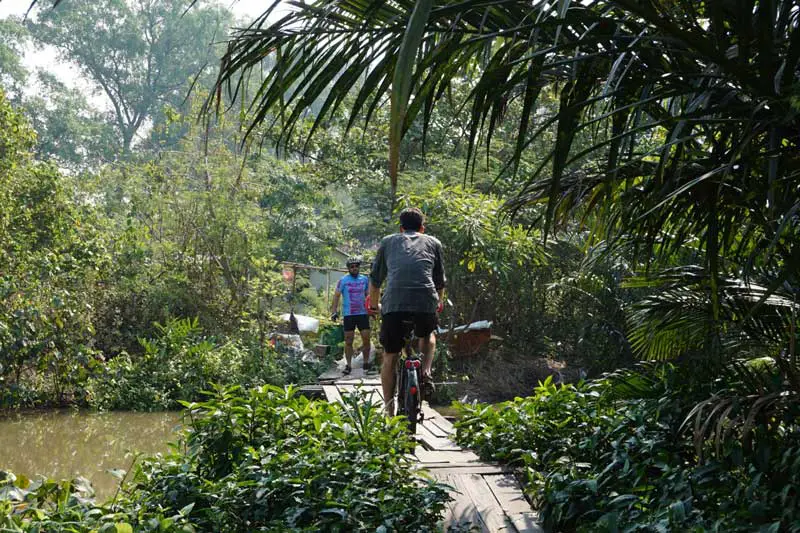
(486, 497)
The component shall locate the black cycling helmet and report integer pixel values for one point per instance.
(353, 260)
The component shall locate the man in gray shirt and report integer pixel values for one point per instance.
(412, 265)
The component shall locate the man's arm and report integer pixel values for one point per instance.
(335, 304)
(374, 296)
(376, 277)
(439, 279)
(336, 293)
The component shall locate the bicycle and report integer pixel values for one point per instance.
(409, 380)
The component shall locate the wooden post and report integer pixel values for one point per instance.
(327, 288)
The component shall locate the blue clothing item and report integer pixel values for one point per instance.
(354, 294)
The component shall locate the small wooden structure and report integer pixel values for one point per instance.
(486, 497)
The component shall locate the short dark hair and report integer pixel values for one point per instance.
(411, 219)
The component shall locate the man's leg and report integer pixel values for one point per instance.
(392, 341)
(387, 381)
(428, 346)
(365, 346)
(348, 346)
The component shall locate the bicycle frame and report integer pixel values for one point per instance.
(408, 377)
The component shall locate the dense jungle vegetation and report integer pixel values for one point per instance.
(615, 183)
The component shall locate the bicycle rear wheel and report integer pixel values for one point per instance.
(411, 399)
(400, 389)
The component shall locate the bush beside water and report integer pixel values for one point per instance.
(262, 460)
(180, 363)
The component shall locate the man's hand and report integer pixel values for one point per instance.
(373, 310)
(335, 317)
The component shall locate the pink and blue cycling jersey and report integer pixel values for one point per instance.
(354, 294)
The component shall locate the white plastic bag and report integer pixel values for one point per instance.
(304, 323)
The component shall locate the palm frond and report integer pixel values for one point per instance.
(645, 380)
(692, 129)
(679, 318)
(756, 404)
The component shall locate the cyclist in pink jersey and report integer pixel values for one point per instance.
(353, 289)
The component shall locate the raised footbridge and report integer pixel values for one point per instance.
(486, 496)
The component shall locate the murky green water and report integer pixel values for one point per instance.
(66, 444)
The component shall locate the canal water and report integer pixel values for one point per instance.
(64, 444)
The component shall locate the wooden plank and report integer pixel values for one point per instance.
(436, 469)
(427, 456)
(365, 387)
(508, 493)
(491, 514)
(367, 381)
(430, 422)
(447, 516)
(434, 416)
(435, 430)
(432, 442)
(527, 523)
(356, 374)
(378, 388)
(463, 512)
(446, 456)
(329, 375)
(332, 393)
(424, 455)
(371, 392)
(446, 428)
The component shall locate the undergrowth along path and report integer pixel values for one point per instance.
(486, 497)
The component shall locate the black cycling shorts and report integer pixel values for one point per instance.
(356, 321)
(396, 326)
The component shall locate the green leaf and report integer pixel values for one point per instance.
(401, 83)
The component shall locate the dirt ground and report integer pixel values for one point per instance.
(498, 375)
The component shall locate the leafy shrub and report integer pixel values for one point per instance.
(263, 460)
(69, 506)
(51, 258)
(181, 363)
(269, 460)
(613, 455)
(513, 431)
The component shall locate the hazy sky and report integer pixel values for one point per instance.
(242, 8)
(47, 59)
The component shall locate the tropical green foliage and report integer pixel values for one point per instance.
(278, 462)
(68, 507)
(181, 363)
(638, 198)
(142, 56)
(263, 460)
(672, 132)
(12, 73)
(68, 129)
(50, 257)
(546, 300)
(616, 455)
(87, 273)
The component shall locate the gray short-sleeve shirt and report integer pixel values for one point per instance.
(412, 265)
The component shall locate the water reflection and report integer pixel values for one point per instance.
(65, 444)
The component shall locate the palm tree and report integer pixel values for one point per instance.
(692, 107)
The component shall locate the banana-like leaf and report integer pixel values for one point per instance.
(675, 130)
(401, 83)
